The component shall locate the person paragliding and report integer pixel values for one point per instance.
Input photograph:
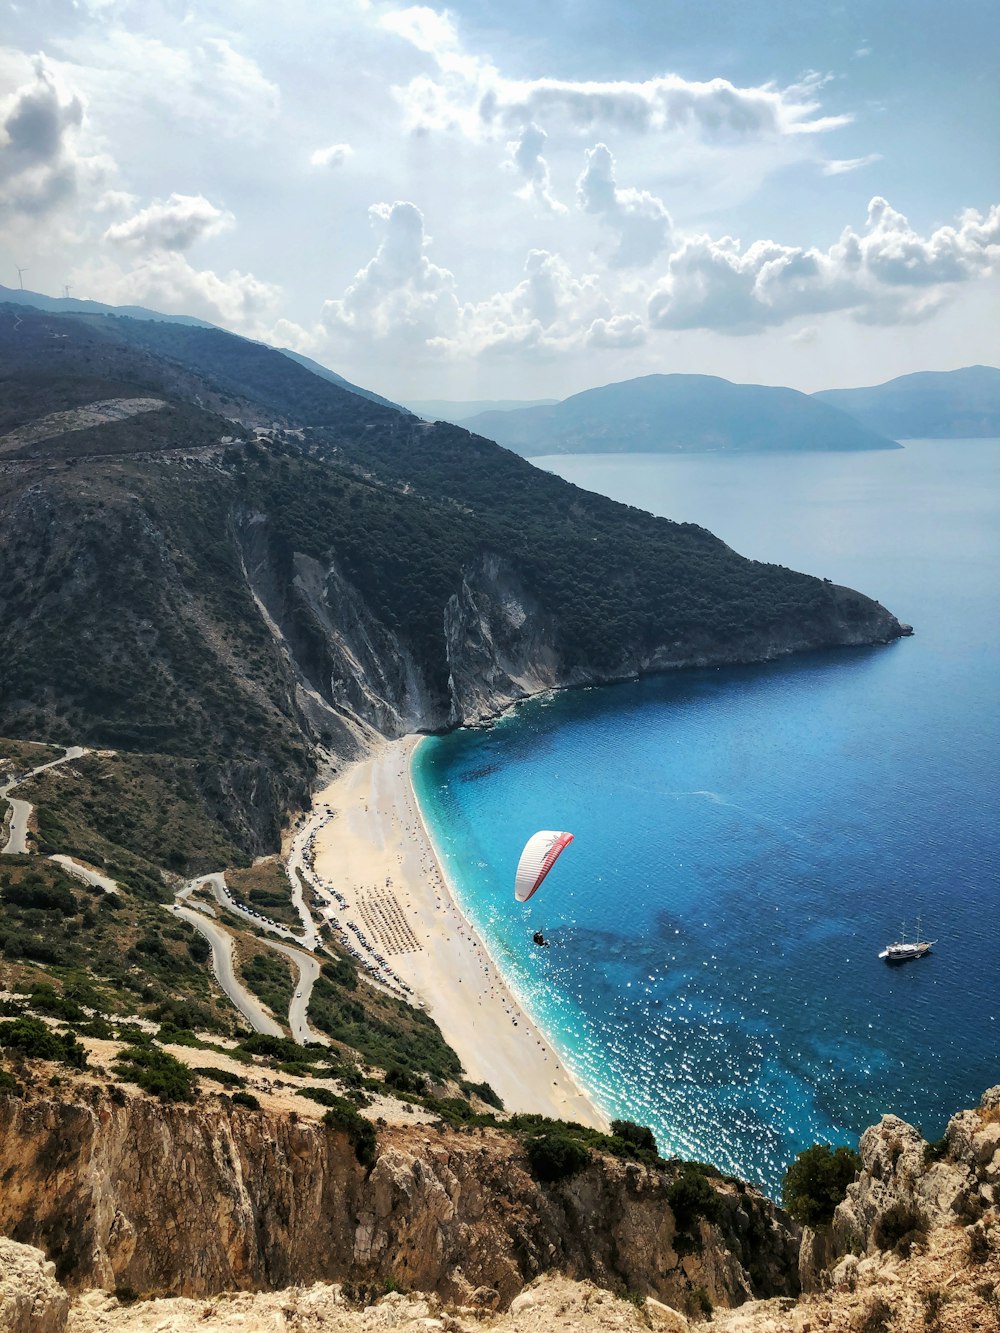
(540, 854)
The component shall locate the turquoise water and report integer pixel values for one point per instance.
(747, 839)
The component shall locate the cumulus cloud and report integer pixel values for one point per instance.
(640, 219)
(400, 294)
(165, 280)
(40, 161)
(469, 94)
(174, 224)
(621, 331)
(886, 274)
(402, 298)
(335, 155)
(525, 157)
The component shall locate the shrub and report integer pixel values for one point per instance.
(691, 1197)
(553, 1155)
(360, 1132)
(484, 1092)
(158, 1072)
(35, 1039)
(876, 1318)
(322, 1095)
(978, 1245)
(899, 1228)
(9, 1085)
(224, 1076)
(638, 1135)
(934, 1152)
(817, 1181)
(246, 1099)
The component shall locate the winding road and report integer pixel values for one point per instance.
(17, 841)
(222, 965)
(298, 1010)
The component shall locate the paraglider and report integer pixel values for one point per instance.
(540, 854)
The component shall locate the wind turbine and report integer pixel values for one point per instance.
(20, 276)
(66, 289)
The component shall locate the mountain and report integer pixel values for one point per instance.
(70, 305)
(678, 414)
(213, 553)
(443, 409)
(932, 404)
(334, 378)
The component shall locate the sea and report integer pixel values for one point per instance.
(746, 839)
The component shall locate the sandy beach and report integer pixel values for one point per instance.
(376, 853)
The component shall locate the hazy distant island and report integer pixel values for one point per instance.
(931, 404)
(679, 414)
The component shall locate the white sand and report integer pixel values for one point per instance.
(377, 835)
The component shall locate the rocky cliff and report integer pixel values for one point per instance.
(132, 1194)
(443, 1212)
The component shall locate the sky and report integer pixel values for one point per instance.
(519, 200)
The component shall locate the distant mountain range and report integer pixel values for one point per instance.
(444, 409)
(678, 414)
(933, 404)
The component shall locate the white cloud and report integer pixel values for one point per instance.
(640, 219)
(621, 331)
(526, 159)
(887, 274)
(40, 161)
(400, 295)
(174, 224)
(470, 95)
(335, 155)
(840, 166)
(208, 82)
(166, 281)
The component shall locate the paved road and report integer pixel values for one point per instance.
(222, 965)
(86, 873)
(217, 883)
(17, 842)
(298, 1020)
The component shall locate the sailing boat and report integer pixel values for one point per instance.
(905, 950)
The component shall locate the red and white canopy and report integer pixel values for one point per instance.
(540, 854)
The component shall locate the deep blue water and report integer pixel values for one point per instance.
(747, 839)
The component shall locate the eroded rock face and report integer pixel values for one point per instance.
(191, 1201)
(31, 1300)
(954, 1188)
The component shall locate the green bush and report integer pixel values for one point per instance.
(484, 1092)
(900, 1228)
(360, 1132)
(224, 1076)
(691, 1197)
(554, 1155)
(9, 1085)
(158, 1072)
(35, 1039)
(817, 1181)
(246, 1099)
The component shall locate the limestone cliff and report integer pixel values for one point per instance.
(130, 1193)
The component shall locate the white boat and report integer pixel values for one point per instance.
(907, 949)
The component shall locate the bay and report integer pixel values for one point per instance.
(747, 839)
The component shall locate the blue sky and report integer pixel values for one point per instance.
(519, 200)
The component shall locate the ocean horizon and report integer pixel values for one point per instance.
(748, 838)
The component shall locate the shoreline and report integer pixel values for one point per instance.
(379, 854)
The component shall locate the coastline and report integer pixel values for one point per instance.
(378, 853)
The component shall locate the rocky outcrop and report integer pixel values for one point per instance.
(31, 1300)
(191, 1201)
(955, 1182)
